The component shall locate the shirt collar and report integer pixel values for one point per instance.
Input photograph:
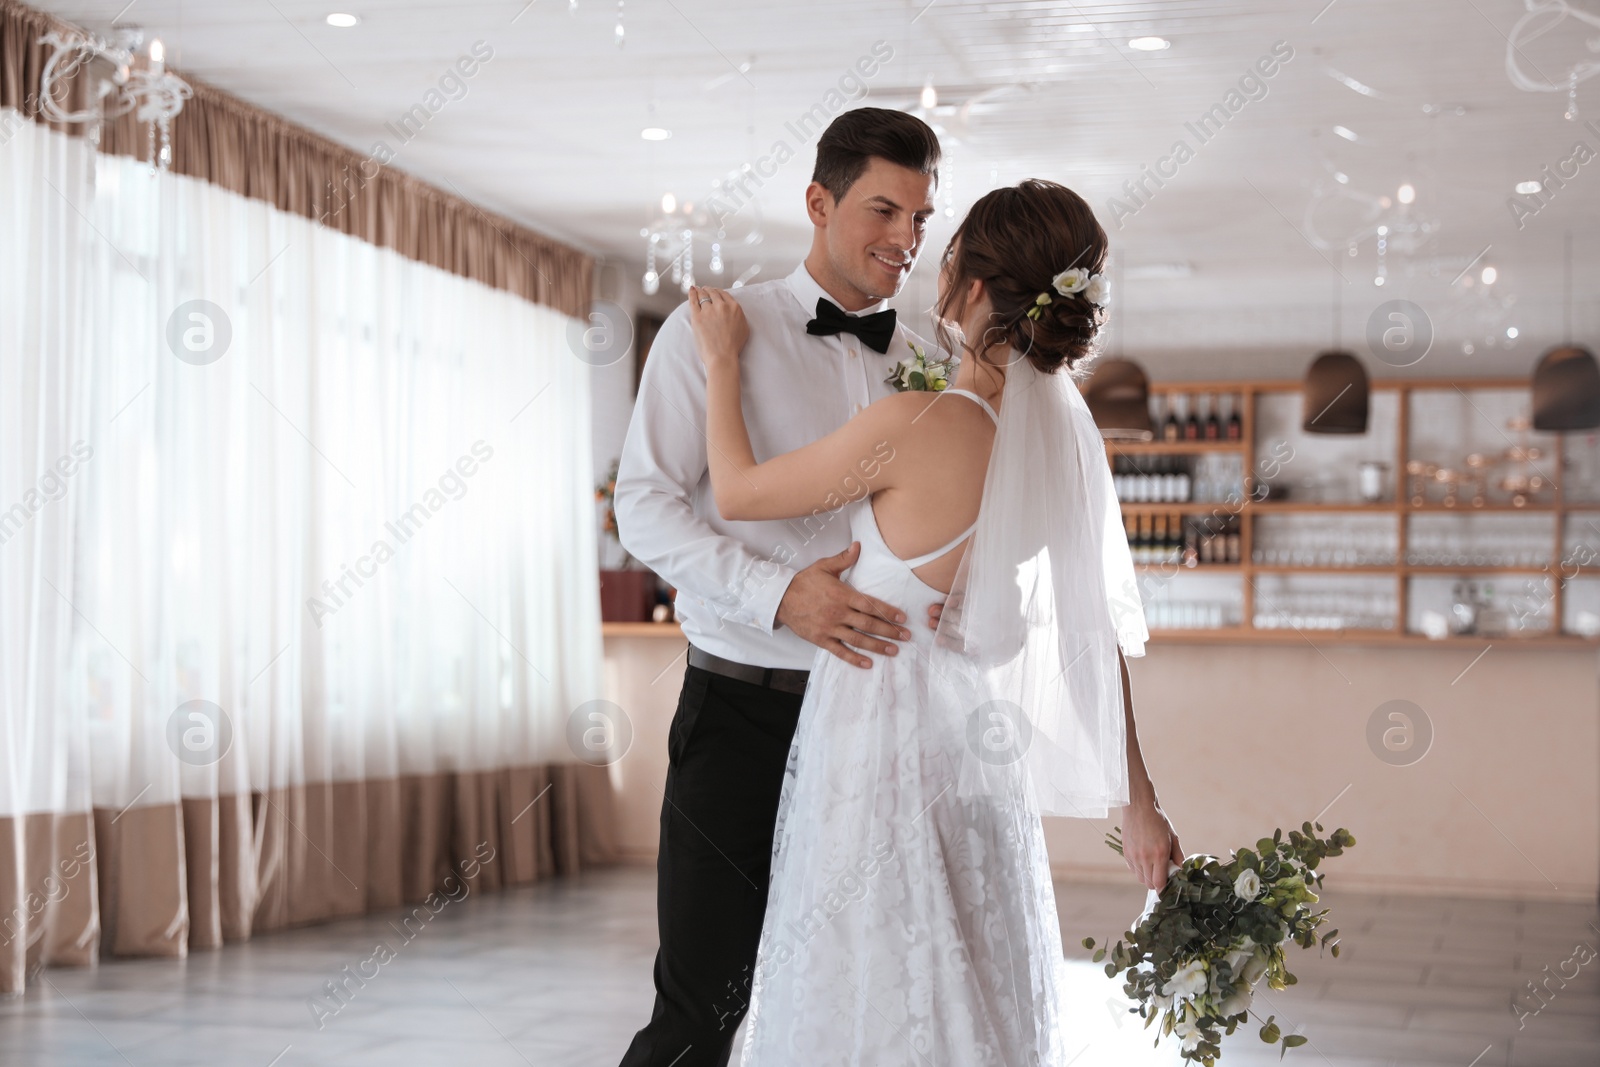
(808, 292)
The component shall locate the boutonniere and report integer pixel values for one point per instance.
(920, 373)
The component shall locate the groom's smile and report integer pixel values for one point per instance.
(896, 266)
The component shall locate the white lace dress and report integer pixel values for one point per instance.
(903, 926)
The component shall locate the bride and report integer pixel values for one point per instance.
(911, 917)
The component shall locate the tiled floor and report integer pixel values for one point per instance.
(558, 975)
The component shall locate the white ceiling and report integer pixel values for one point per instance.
(548, 133)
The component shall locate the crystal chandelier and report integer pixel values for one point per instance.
(123, 81)
(1540, 18)
(673, 236)
(1342, 217)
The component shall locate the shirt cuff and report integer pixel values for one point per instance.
(762, 607)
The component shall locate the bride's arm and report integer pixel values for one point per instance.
(1148, 839)
(853, 461)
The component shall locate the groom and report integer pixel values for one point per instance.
(758, 598)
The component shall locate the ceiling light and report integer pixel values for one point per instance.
(1489, 275)
(1529, 187)
(1341, 177)
(669, 203)
(342, 20)
(158, 53)
(1149, 44)
(655, 133)
(930, 96)
(1407, 193)
(1346, 80)
(1511, 333)
(1345, 132)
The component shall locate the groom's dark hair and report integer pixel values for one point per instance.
(857, 136)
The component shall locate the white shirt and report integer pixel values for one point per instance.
(797, 389)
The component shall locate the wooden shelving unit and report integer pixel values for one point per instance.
(1250, 393)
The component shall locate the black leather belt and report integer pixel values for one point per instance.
(784, 679)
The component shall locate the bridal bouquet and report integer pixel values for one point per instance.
(1216, 930)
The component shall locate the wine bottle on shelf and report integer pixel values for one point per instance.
(1191, 427)
(1492, 616)
(1172, 429)
(1235, 426)
(1130, 523)
(1191, 544)
(1144, 539)
(1158, 538)
(1181, 484)
(1213, 427)
(1233, 539)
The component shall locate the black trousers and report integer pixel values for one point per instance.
(726, 752)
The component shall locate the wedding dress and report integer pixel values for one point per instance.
(905, 924)
(910, 917)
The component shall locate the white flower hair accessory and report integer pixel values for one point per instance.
(1096, 289)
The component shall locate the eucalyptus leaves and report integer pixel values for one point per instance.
(1218, 929)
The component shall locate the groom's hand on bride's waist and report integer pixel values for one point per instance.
(826, 611)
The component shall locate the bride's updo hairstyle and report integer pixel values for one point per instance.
(1017, 241)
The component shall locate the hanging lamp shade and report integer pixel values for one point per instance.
(1118, 395)
(1336, 395)
(1566, 390)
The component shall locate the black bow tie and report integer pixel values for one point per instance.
(875, 330)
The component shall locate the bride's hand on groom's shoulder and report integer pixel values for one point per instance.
(719, 325)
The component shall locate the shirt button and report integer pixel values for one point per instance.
(858, 409)
(852, 353)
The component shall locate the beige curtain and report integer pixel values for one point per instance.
(171, 526)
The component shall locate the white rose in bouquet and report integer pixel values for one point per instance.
(1247, 886)
(1237, 1002)
(1256, 966)
(1189, 980)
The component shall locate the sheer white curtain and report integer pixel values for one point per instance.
(307, 623)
